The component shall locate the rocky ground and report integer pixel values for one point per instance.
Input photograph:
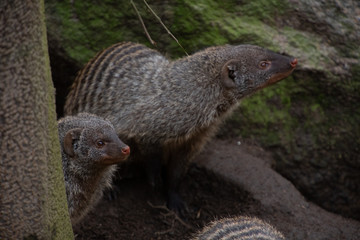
(229, 178)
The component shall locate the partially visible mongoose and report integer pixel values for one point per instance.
(90, 149)
(239, 228)
(166, 110)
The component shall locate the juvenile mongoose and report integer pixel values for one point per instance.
(239, 228)
(90, 149)
(166, 110)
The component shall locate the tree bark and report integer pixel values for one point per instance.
(32, 192)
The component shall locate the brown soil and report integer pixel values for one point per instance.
(211, 193)
(140, 214)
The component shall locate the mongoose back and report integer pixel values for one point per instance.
(166, 110)
(239, 228)
(90, 149)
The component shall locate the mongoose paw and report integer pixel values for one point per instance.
(176, 204)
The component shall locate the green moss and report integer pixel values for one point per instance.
(192, 20)
(207, 23)
(266, 114)
(248, 30)
(266, 10)
(89, 26)
(309, 47)
(56, 209)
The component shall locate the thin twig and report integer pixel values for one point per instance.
(163, 207)
(182, 222)
(170, 213)
(168, 31)
(143, 24)
(164, 232)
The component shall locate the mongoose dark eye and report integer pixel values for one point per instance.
(75, 145)
(264, 64)
(232, 74)
(100, 143)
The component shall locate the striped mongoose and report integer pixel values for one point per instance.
(239, 228)
(90, 149)
(166, 110)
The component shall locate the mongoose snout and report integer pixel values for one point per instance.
(112, 149)
(281, 68)
(115, 154)
(293, 62)
(126, 150)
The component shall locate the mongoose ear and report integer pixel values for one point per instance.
(70, 137)
(228, 73)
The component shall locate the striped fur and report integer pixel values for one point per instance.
(240, 228)
(96, 76)
(166, 110)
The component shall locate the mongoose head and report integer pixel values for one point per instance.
(96, 143)
(251, 68)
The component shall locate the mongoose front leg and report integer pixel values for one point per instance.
(175, 172)
(153, 169)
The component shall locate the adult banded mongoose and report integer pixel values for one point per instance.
(90, 149)
(239, 228)
(166, 110)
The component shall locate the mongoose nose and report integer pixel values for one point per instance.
(126, 150)
(294, 62)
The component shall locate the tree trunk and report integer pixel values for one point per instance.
(32, 192)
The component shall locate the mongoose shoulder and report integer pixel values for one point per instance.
(239, 228)
(166, 110)
(90, 149)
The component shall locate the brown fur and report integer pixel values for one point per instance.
(167, 110)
